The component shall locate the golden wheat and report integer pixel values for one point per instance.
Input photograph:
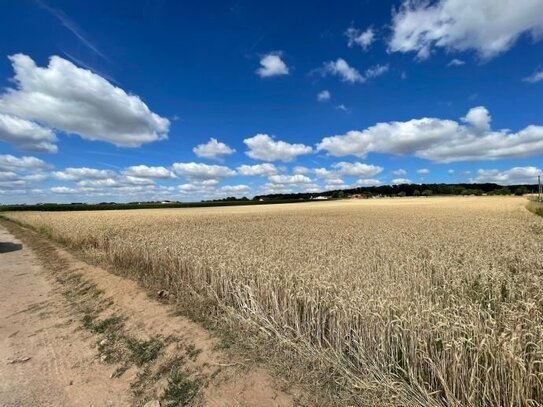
(437, 299)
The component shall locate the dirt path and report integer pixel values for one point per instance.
(62, 369)
(96, 339)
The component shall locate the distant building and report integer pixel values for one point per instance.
(321, 198)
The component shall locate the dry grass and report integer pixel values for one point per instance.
(438, 301)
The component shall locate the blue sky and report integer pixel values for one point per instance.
(177, 100)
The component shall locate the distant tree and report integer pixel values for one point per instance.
(341, 195)
(416, 192)
(521, 191)
(501, 191)
(401, 194)
(427, 192)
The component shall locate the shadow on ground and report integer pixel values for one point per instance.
(6, 247)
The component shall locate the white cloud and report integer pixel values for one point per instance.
(423, 171)
(258, 169)
(299, 169)
(479, 118)
(132, 180)
(341, 68)
(439, 140)
(35, 177)
(7, 175)
(77, 174)
(272, 65)
(323, 96)
(400, 172)
(357, 169)
(263, 147)
(451, 171)
(144, 171)
(400, 181)
(26, 135)
(324, 173)
(375, 71)
(363, 39)
(213, 149)
(10, 162)
(489, 27)
(199, 171)
(456, 62)
(196, 188)
(368, 182)
(78, 101)
(335, 181)
(236, 189)
(342, 107)
(535, 77)
(64, 190)
(516, 175)
(99, 183)
(347, 73)
(289, 179)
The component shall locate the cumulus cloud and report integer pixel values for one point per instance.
(77, 174)
(357, 169)
(341, 68)
(26, 135)
(300, 169)
(272, 65)
(12, 163)
(258, 169)
(489, 27)
(335, 181)
(99, 183)
(423, 171)
(64, 190)
(198, 187)
(368, 182)
(363, 39)
(323, 96)
(400, 181)
(236, 189)
(199, 171)
(439, 140)
(263, 147)
(400, 172)
(213, 149)
(286, 184)
(535, 77)
(347, 73)
(144, 171)
(77, 101)
(516, 175)
(289, 179)
(479, 118)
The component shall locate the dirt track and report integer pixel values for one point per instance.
(62, 369)
(40, 319)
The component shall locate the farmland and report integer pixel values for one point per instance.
(433, 301)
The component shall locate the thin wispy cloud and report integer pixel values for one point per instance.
(71, 26)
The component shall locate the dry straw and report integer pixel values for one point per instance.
(438, 299)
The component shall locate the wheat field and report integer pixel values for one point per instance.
(435, 301)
